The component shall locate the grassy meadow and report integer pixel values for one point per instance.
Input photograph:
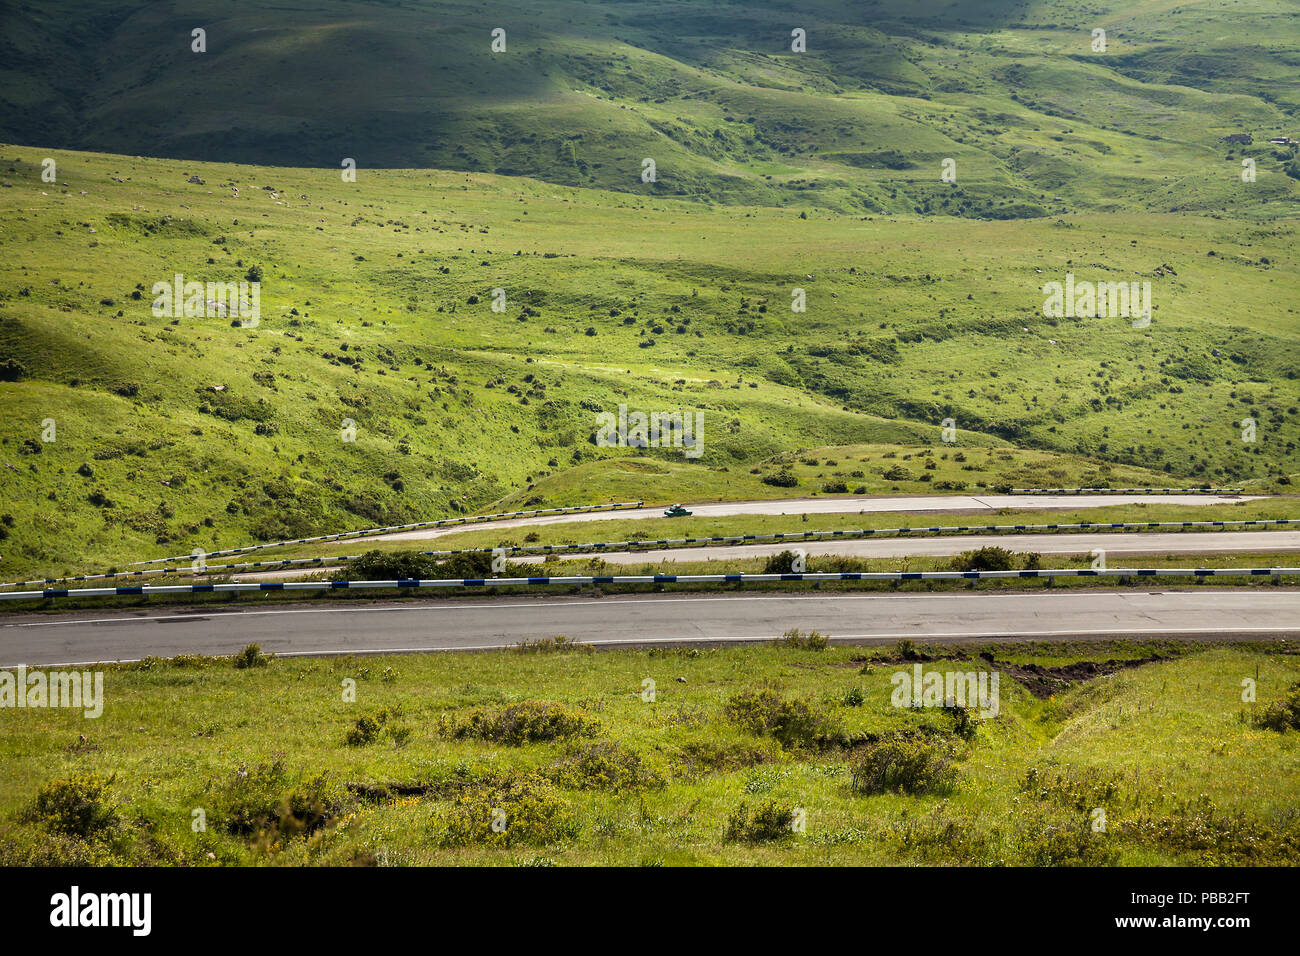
(171, 434)
(440, 331)
(778, 754)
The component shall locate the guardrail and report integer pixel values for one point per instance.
(441, 522)
(859, 533)
(1127, 491)
(203, 569)
(633, 546)
(646, 579)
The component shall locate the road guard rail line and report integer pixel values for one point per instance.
(633, 546)
(442, 522)
(545, 581)
(1127, 491)
(858, 533)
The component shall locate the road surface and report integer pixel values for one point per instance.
(864, 505)
(478, 624)
(1115, 545)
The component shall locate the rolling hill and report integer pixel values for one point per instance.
(782, 179)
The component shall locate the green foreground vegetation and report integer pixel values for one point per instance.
(792, 753)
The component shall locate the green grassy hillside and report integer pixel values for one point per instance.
(780, 175)
(376, 307)
(1012, 90)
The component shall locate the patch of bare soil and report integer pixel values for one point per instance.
(1043, 682)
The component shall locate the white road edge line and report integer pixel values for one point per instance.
(220, 614)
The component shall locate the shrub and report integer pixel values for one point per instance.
(369, 728)
(898, 473)
(768, 821)
(1281, 714)
(250, 656)
(263, 800)
(782, 563)
(525, 809)
(812, 641)
(854, 698)
(906, 765)
(942, 839)
(478, 565)
(990, 558)
(389, 566)
(781, 479)
(526, 722)
(80, 806)
(791, 722)
(604, 765)
(964, 724)
(835, 488)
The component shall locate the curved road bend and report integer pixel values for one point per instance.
(1115, 544)
(477, 624)
(864, 505)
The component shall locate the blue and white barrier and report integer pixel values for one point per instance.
(858, 533)
(646, 579)
(202, 569)
(442, 522)
(1127, 491)
(633, 546)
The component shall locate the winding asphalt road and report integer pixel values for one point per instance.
(1114, 544)
(478, 624)
(828, 505)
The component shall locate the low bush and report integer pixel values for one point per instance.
(388, 566)
(989, 558)
(781, 479)
(250, 656)
(793, 723)
(783, 563)
(604, 765)
(265, 800)
(1282, 714)
(522, 809)
(79, 806)
(812, 641)
(905, 765)
(768, 821)
(1198, 830)
(529, 721)
(370, 727)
